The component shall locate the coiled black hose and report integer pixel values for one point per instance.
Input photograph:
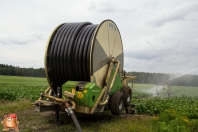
(68, 53)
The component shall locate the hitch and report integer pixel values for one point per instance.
(69, 104)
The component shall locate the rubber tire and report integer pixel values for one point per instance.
(127, 109)
(116, 103)
(126, 90)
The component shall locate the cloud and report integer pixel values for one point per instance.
(106, 7)
(176, 14)
(103, 8)
(23, 55)
(170, 49)
(157, 36)
(20, 40)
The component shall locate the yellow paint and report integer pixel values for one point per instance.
(80, 95)
(85, 91)
(73, 90)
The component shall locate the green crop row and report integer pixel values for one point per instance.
(170, 114)
(20, 92)
(16, 88)
(185, 106)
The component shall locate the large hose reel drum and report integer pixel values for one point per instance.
(77, 51)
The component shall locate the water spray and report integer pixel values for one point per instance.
(167, 82)
(156, 90)
(183, 74)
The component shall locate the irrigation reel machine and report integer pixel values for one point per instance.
(84, 69)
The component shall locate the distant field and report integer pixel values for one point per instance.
(184, 91)
(18, 80)
(176, 91)
(16, 88)
(138, 86)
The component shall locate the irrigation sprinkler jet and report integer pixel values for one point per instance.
(183, 74)
(167, 82)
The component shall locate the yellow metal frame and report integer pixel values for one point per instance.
(109, 87)
(125, 78)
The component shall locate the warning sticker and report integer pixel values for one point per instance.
(85, 91)
(80, 95)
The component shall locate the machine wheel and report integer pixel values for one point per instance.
(126, 90)
(116, 103)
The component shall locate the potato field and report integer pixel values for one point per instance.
(158, 109)
(174, 108)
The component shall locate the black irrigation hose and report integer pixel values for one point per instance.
(69, 52)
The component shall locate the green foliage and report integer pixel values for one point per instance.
(20, 92)
(139, 94)
(179, 113)
(173, 121)
(186, 106)
(171, 114)
(175, 114)
(183, 91)
(17, 88)
(14, 106)
(18, 80)
(139, 90)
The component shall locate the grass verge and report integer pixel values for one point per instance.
(8, 107)
(29, 120)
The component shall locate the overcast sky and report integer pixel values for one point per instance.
(157, 35)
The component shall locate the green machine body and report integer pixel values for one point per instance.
(85, 93)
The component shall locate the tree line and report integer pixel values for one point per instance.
(6, 69)
(143, 77)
